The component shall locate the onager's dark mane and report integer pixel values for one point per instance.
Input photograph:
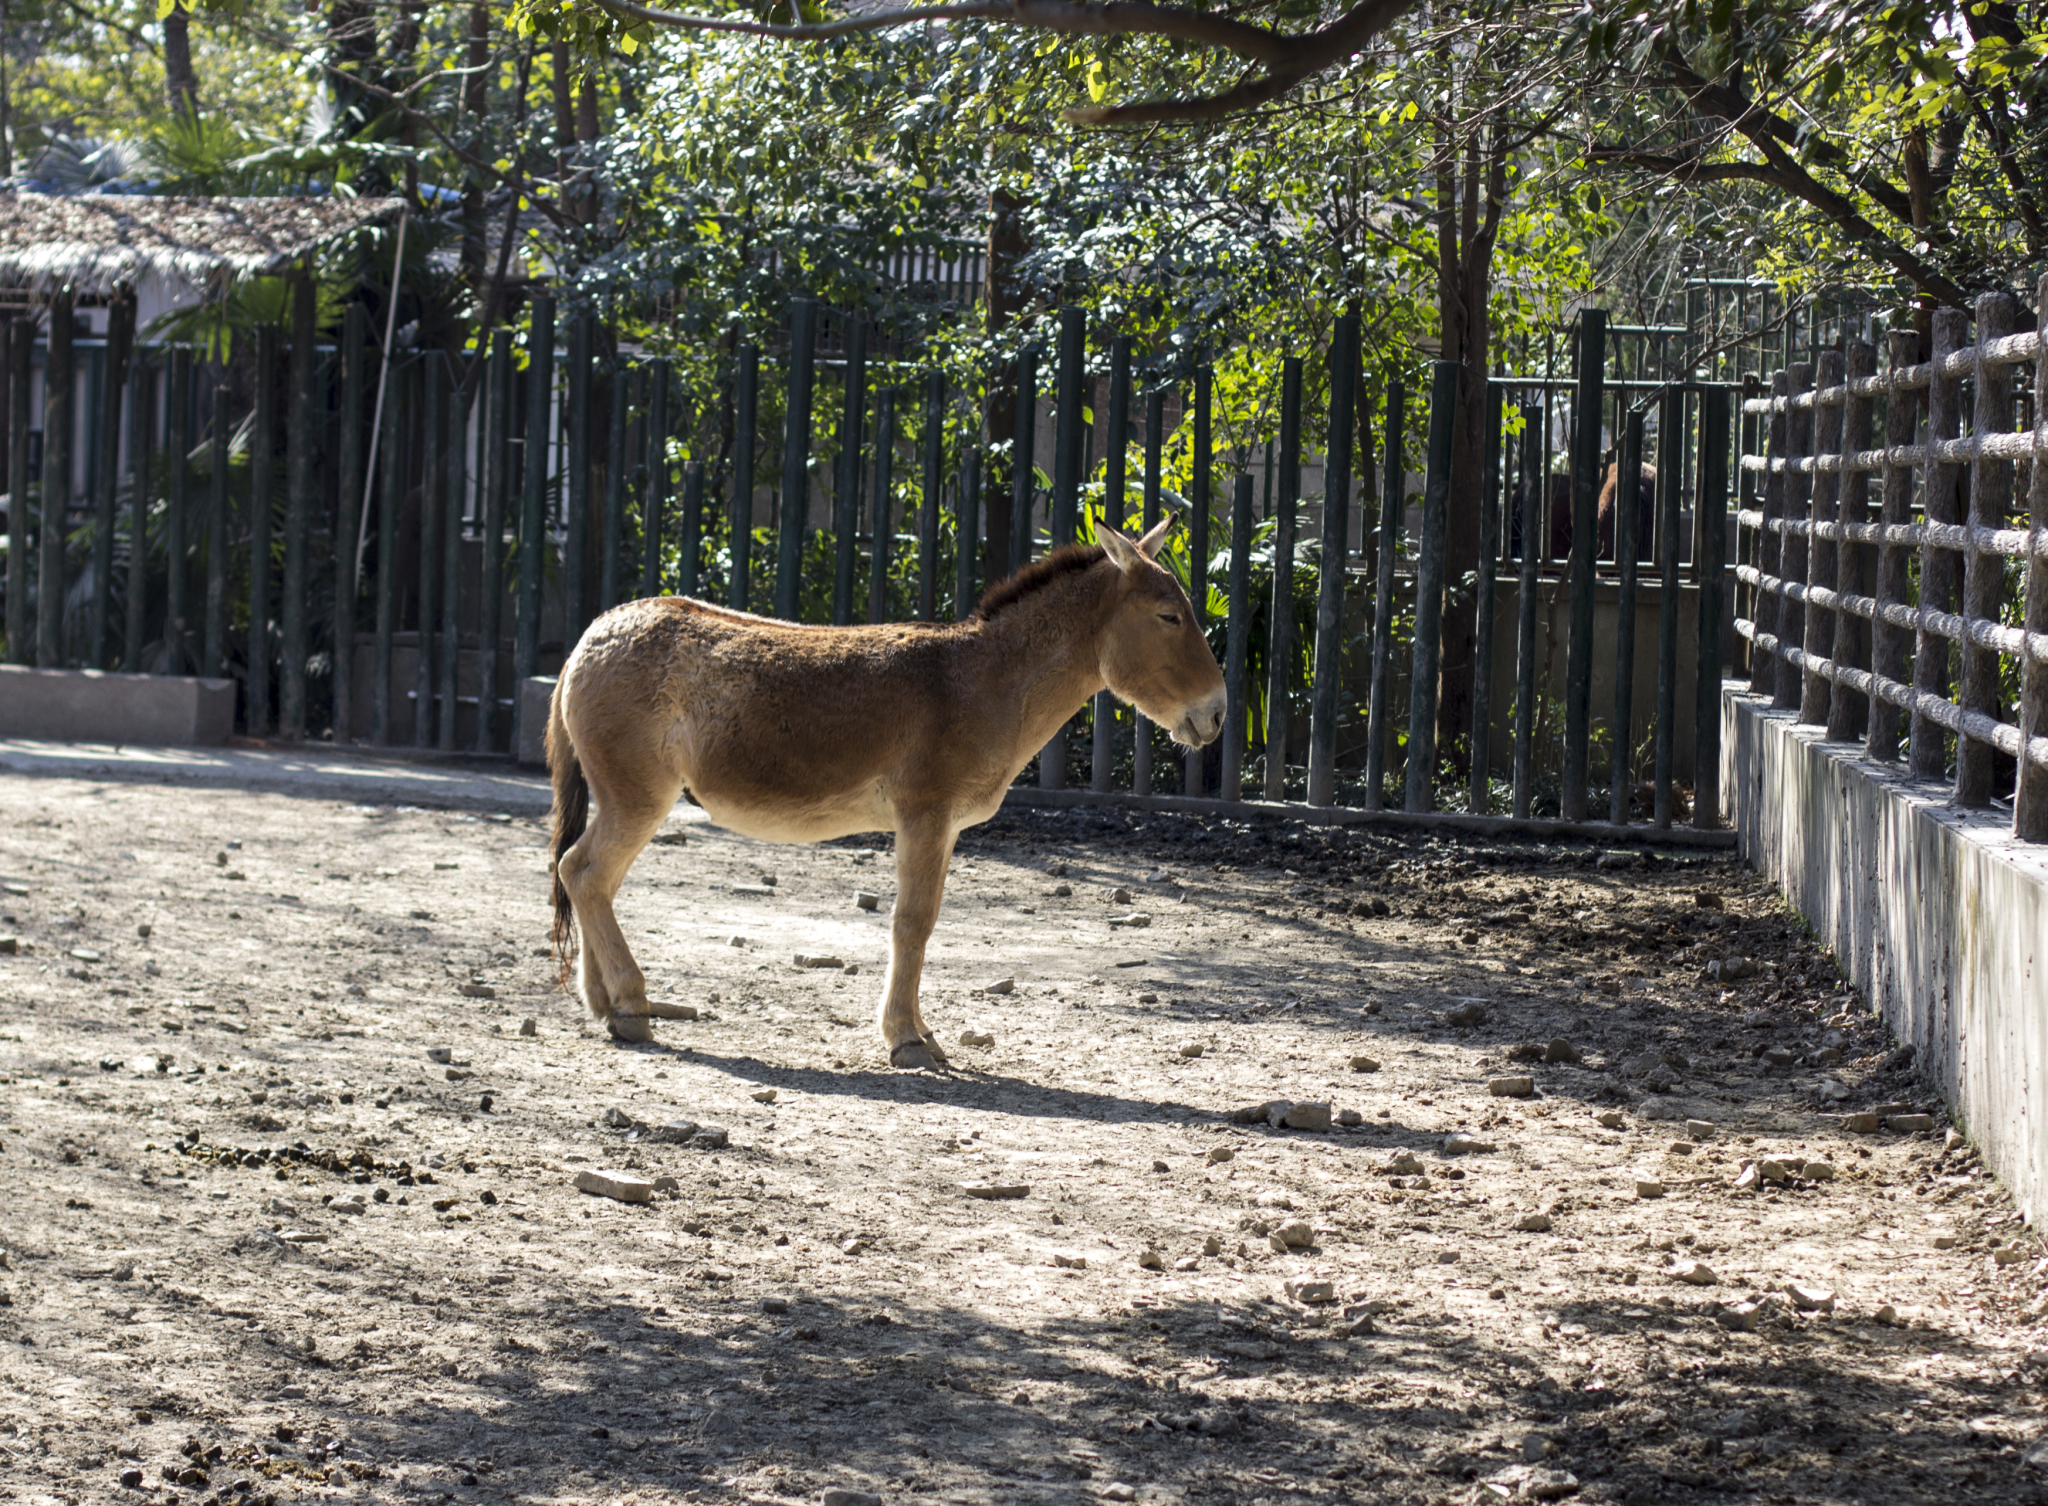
(1035, 576)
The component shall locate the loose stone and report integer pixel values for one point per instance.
(625, 1186)
(866, 899)
(1364, 1064)
(1512, 1087)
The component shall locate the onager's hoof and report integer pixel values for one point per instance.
(911, 1055)
(630, 1027)
(931, 1044)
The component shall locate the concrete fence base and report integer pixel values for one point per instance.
(92, 706)
(1938, 915)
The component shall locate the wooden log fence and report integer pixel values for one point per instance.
(399, 596)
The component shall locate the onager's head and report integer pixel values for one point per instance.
(1153, 653)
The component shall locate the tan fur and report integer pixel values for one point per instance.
(793, 733)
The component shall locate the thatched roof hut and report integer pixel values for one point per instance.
(96, 242)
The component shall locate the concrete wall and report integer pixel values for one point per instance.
(1938, 915)
(92, 706)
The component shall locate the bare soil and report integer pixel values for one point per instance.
(818, 1304)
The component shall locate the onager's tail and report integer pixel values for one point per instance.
(572, 810)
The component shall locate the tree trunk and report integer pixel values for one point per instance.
(475, 98)
(1006, 247)
(1470, 196)
(181, 85)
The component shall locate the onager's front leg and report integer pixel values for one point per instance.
(923, 848)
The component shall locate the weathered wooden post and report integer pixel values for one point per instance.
(1325, 682)
(1023, 464)
(796, 458)
(1198, 541)
(261, 463)
(433, 476)
(496, 482)
(1280, 614)
(390, 501)
(966, 532)
(930, 502)
(355, 335)
(1393, 482)
(533, 492)
(214, 652)
(1066, 487)
(693, 529)
(2030, 794)
(1237, 640)
(1856, 567)
(451, 563)
(1816, 691)
(20, 349)
(1141, 729)
(111, 388)
(576, 613)
(299, 453)
(746, 408)
(1984, 571)
(1787, 680)
(1429, 590)
(1102, 760)
(1535, 530)
(1671, 465)
(1587, 402)
(881, 537)
(1710, 522)
(846, 493)
(1626, 524)
(1479, 783)
(136, 616)
(654, 494)
(60, 380)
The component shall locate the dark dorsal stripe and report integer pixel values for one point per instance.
(1036, 576)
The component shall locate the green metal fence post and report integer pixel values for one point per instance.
(1330, 572)
(1429, 590)
(796, 459)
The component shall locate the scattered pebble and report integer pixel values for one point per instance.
(977, 1038)
(1364, 1064)
(1512, 1087)
(996, 1191)
(1000, 986)
(763, 1095)
(1192, 1048)
(529, 1028)
(1466, 1012)
(1694, 1273)
(625, 1186)
(1462, 1144)
(866, 899)
(1648, 1187)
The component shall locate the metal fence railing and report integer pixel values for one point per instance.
(1928, 622)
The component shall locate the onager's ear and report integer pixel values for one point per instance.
(1149, 545)
(1118, 547)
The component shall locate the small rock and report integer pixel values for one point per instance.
(1707, 899)
(1350, 1118)
(1364, 1064)
(996, 1191)
(1609, 1119)
(10, 946)
(625, 1186)
(351, 1206)
(1293, 1235)
(852, 1246)
(1694, 1273)
(1860, 1124)
(1212, 1246)
(849, 1498)
(674, 1132)
(1910, 1124)
(818, 959)
(617, 1118)
(475, 990)
(1161, 1166)
(1749, 1179)
(1188, 1263)
(441, 1054)
(1403, 1163)
(661, 1184)
(866, 899)
(1887, 1315)
(529, 1028)
(1742, 1317)
(1151, 1260)
(132, 1478)
(1698, 1131)
(759, 890)
(1810, 1299)
(2011, 1254)
(1000, 986)
(1535, 1448)
(775, 1304)
(1120, 896)
(1466, 1145)
(763, 1095)
(1307, 1116)
(1192, 1048)
(1219, 1154)
(1680, 1148)
(1561, 1050)
(1312, 1293)
(1116, 1490)
(1533, 1223)
(458, 1074)
(711, 1137)
(1137, 920)
(1070, 1262)
(1065, 891)
(1512, 1087)
(976, 1038)
(1817, 1171)
(1953, 1140)
(1466, 1012)
(1647, 1187)
(302, 1236)
(1778, 1056)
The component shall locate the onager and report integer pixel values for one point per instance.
(793, 733)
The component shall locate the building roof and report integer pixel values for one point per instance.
(95, 242)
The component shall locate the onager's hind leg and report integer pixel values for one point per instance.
(923, 848)
(629, 810)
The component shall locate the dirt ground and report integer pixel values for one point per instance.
(230, 1013)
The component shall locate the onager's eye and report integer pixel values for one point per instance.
(1171, 619)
